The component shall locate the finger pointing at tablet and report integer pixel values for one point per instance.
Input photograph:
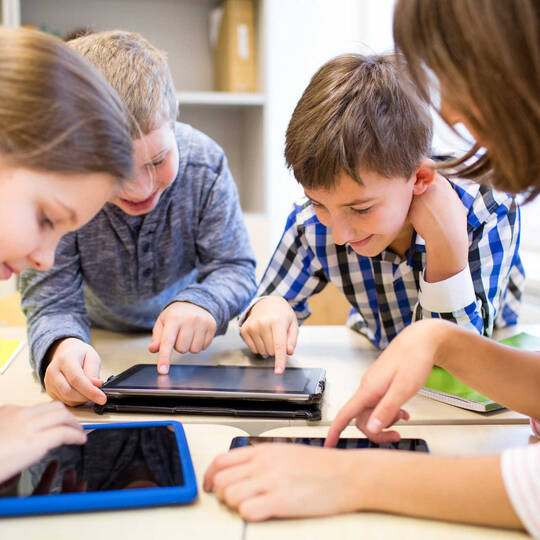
(184, 327)
(271, 329)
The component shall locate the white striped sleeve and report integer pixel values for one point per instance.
(521, 475)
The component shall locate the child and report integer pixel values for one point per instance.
(400, 242)
(65, 148)
(505, 487)
(170, 253)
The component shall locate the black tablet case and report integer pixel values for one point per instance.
(211, 406)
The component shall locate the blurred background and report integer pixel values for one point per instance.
(239, 67)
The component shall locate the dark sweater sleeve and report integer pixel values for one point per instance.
(225, 259)
(53, 302)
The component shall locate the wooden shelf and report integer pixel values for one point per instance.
(221, 98)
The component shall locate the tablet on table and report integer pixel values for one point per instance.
(217, 390)
(122, 465)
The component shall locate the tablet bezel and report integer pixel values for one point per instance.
(112, 499)
(313, 389)
(244, 440)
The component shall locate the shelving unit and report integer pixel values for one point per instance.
(180, 27)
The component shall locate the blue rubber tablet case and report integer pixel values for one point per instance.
(122, 465)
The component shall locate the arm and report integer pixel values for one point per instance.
(58, 328)
(270, 324)
(226, 275)
(292, 480)
(509, 376)
(53, 303)
(225, 262)
(465, 281)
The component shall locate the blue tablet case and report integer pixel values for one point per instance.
(113, 499)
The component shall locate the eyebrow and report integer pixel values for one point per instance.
(72, 214)
(356, 202)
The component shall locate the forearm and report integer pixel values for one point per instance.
(461, 489)
(45, 331)
(507, 375)
(444, 260)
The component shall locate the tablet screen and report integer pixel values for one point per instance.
(418, 445)
(111, 459)
(239, 379)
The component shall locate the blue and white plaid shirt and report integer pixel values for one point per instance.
(387, 292)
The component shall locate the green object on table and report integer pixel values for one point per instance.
(524, 341)
(444, 387)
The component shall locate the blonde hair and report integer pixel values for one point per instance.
(57, 113)
(138, 72)
(356, 113)
(486, 55)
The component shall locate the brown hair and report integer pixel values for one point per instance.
(56, 112)
(356, 114)
(138, 72)
(486, 55)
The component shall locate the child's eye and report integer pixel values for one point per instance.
(361, 210)
(45, 222)
(155, 164)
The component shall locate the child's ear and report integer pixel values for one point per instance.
(423, 176)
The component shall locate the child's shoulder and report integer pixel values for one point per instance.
(198, 149)
(482, 201)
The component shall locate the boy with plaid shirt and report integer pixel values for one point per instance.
(399, 240)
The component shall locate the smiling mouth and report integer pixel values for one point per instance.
(141, 204)
(363, 242)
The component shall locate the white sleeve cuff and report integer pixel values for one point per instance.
(449, 295)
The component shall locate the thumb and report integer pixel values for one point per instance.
(92, 364)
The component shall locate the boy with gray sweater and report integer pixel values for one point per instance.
(170, 253)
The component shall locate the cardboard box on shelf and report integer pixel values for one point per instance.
(234, 48)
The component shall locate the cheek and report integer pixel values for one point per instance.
(386, 221)
(19, 235)
(168, 171)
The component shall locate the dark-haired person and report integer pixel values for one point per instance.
(486, 56)
(401, 242)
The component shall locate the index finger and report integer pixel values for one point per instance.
(279, 336)
(350, 410)
(166, 346)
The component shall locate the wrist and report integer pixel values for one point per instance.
(444, 262)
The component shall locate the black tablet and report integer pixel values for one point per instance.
(414, 445)
(121, 465)
(223, 382)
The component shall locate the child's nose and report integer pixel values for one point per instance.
(341, 232)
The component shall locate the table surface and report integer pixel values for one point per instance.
(444, 440)
(343, 353)
(207, 518)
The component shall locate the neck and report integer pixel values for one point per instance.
(402, 241)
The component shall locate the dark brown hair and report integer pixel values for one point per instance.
(57, 113)
(486, 56)
(357, 114)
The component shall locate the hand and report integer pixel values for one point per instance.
(439, 217)
(28, 433)
(271, 329)
(184, 327)
(285, 480)
(72, 375)
(396, 376)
